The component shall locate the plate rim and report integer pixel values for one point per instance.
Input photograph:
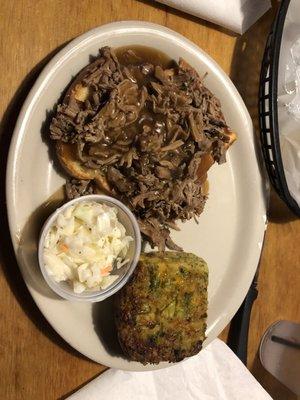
(41, 81)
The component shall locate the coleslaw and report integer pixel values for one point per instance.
(85, 246)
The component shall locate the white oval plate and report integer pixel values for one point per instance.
(231, 229)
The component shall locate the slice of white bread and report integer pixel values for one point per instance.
(67, 156)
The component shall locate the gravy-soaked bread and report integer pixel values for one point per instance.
(68, 158)
(161, 312)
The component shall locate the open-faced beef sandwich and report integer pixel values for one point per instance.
(142, 131)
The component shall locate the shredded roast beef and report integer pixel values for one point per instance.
(146, 129)
(78, 187)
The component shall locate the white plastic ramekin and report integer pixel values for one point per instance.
(125, 216)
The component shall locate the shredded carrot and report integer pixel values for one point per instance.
(63, 247)
(106, 270)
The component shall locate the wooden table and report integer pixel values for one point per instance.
(34, 362)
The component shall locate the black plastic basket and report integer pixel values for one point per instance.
(268, 115)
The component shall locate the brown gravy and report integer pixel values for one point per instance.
(133, 57)
(143, 54)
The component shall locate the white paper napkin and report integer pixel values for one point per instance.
(236, 15)
(214, 374)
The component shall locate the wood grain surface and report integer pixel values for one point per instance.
(34, 362)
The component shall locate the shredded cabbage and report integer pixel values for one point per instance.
(85, 245)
